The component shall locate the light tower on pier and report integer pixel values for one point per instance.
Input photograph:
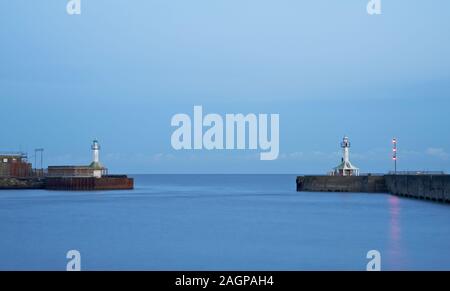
(345, 145)
(96, 165)
(345, 168)
(95, 151)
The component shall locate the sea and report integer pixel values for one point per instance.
(220, 222)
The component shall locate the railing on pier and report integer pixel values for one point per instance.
(417, 173)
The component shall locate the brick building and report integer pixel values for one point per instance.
(15, 165)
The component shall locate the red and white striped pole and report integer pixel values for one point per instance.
(394, 154)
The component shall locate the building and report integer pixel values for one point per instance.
(345, 168)
(14, 165)
(95, 169)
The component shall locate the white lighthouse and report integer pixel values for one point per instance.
(95, 151)
(98, 169)
(345, 168)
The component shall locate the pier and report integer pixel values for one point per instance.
(21, 183)
(432, 187)
(369, 184)
(110, 182)
(17, 173)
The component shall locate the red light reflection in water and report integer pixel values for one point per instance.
(395, 256)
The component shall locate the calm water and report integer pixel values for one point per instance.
(219, 222)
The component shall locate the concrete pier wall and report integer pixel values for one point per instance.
(110, 182)
(89, 183)
(428, 187)
(341, 184)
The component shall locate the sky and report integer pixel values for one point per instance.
(119, 72)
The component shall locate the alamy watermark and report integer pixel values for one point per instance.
(73, 7)
(190, 134)
(374, 7)
(74, 263)
(375, 260)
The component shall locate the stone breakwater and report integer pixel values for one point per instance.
(110, 182)
(427, 187)
(342, 184)
(22, 183)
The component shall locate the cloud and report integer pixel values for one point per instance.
(291, 156)
(163, 157)
(308, 156)
(438, 153)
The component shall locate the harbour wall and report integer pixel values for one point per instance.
(111, 182)
(368, 184)
(22, 183)
(117, 182)
(427, 187)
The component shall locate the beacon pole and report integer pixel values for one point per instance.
(394, 154)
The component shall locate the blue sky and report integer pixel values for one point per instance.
(121, 69)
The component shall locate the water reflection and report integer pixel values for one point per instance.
(395, 250)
